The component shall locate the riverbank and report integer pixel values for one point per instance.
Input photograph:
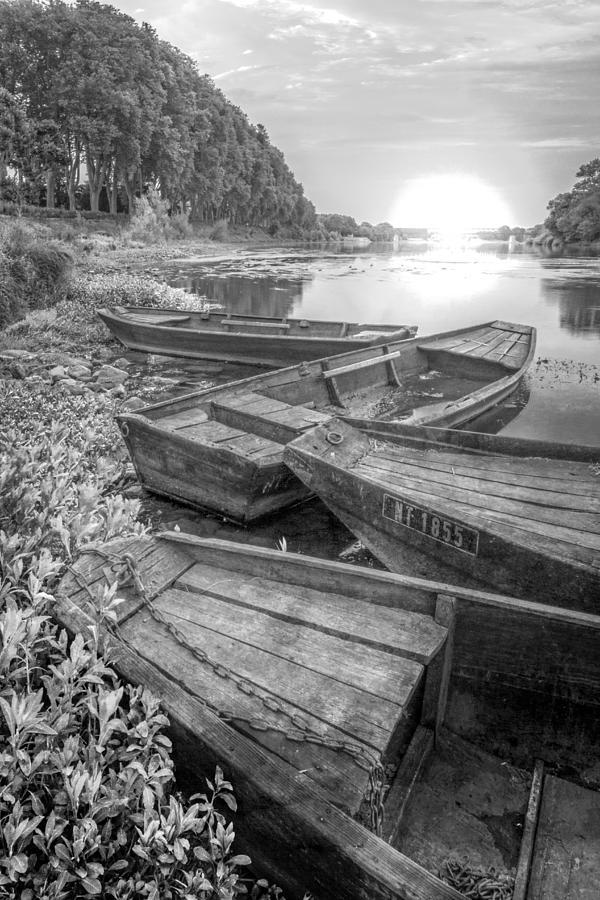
(64, 474)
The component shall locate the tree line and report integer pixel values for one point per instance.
(96, 110)
(574, 216)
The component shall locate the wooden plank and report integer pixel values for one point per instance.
(577, 542)
(331, 385)
(211, 430)
(157, 566)
(269, 425)
(456, 340)
(249, 323)
(560, 506)
(569, 475)
(566, 859)
(159, 320)
(381, 589)
(529, 831)
(362, 364)
(296, 834)
(491, 343)
(515, 327)
(184, 417)
(337, 772)
(299, 417)
(401, 788)
(385, 675)
(438, 671)
(406, 633)
(570, 494)
(254, 446)
(254, 403)
(355, 710)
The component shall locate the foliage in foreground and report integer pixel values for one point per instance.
(87, 806)
(33, 271)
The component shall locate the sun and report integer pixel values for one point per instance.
(449, 204)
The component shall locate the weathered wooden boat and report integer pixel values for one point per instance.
(518, 515)
(254, 340)
(301, 677)
(222, 448)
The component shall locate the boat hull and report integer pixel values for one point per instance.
(516, 679)
(383, 502)
(248, 347)
(222, 449)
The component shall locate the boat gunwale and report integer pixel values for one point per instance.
(112, 313)
(253, 379)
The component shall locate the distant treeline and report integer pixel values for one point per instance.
(574, 216)
(336, 224)
(96, 110)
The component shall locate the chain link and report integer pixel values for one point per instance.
(300, 732)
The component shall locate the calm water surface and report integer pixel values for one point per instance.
(438, 289)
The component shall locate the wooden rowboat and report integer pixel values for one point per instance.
(299, 676)
(254, 340)
(518, 515)
(222, 448)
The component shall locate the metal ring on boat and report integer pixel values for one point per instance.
(124, 429)
(334, 437)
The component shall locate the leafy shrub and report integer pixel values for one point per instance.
(86, 779)
(34, 270)
(179, 225)
(153, 221)
(220, 232)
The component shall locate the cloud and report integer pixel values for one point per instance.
(235, 72)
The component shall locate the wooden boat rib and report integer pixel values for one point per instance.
(472, 698)
(523, 516)
(222, 448)
(253, 340)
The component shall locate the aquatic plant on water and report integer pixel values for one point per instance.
(87, 801)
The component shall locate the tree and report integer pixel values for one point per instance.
(87, 89)
(575, 215)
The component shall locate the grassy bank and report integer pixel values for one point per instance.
(88, 799)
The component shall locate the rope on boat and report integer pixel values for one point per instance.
(300, 730)
(475, 882)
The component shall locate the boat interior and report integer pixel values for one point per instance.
(221, 321)
(256, 416)
(482, 711)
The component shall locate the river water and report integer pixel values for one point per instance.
(437, 288)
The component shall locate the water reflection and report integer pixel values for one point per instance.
(578, 303)
(265, 296)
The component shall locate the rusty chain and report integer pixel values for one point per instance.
(475, 882)
(301, 730)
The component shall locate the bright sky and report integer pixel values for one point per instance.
(395, 109)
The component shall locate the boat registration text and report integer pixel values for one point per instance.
(454, 534)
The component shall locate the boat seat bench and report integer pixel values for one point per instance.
(235, 323)
(162, 320)
(329, 666)
(235, 439)
(270, 418)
